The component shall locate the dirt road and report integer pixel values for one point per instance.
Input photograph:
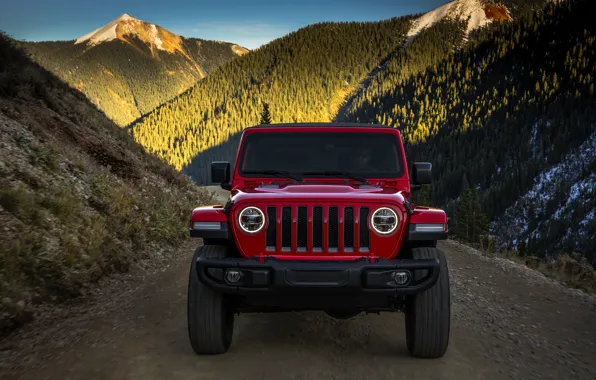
(508, 323)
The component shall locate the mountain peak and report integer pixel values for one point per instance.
(478, 13)
(125, 17)
(126, 26)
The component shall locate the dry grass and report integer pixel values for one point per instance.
(79, 199)
(573, 269)
(496, 12)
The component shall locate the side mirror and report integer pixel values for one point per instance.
(422, 173)
(220, 173)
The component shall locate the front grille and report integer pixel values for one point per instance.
(318, 229)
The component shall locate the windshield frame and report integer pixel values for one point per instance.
(388, 133)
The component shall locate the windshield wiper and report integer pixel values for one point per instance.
(278, 173)
(332, 173)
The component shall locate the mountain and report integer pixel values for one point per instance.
(303, 76)
(128, 67)
(309, 75)
(434, 36)
(511, 113)
(79, 199)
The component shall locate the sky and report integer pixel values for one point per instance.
(249, 23)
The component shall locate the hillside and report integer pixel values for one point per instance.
(128, 67)
(433, 37)
(304, 76)
(79, 199)
(313, 74)
(511, 114)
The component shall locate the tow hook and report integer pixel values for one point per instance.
(408, 207)
(228, 207)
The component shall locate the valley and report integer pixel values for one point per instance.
(106, 147)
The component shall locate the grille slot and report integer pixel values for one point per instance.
(271, 228)
(286, 228)
(333, 229)
(349, 229)
(317, 229)
(364, 233)
(302, 229)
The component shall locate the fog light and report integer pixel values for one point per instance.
(401, 277)
(233, 276)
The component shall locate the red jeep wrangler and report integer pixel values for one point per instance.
(319, 218)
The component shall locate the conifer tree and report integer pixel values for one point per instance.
(265, 115)
(471, 223)
(462, 219)
(423, 196)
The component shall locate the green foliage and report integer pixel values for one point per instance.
(44, 155)
(571, 269)
(298, 75)
(471, 224)
(423, 197)
(20, 202)
(265, 115)
(127, 80)
(429, 47)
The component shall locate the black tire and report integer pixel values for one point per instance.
(210, 314)
(428, 314)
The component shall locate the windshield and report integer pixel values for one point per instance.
(311, 154)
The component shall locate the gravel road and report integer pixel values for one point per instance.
(508, 323)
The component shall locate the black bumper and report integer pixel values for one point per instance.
(357, 277)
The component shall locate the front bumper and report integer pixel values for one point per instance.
(355, 277)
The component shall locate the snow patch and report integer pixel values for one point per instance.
(105, 33)
(471, 10)
(128, 26)
(429, 19)
(156, 39)
(579, 187)
(590, 217)
(534, 139)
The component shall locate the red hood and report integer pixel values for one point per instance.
(320, 193)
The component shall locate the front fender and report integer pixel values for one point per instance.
(427, 224)
(210, 222)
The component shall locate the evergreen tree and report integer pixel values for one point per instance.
(471, 223)
(462, 218)
(265, 115)
(478, 219)
(423, 197)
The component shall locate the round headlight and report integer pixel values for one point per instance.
(251, 220)
(384, 221)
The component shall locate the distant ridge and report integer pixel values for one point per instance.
(129, 66)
